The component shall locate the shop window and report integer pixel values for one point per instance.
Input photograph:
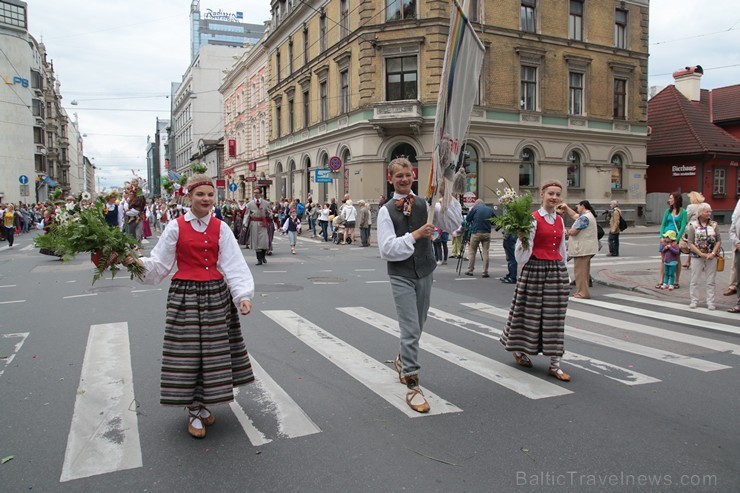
(617, 172)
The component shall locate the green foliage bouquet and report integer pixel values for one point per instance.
(517, 216)
(88, 232)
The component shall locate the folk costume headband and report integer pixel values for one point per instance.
(547, 185)
(199, 184)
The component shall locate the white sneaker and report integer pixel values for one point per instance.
(670, 288)
(711, 307)
(692, 305)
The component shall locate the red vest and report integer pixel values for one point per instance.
(547, 238)
(197, 253)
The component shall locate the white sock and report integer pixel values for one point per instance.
(204, 413)
(196, 423)
(555, 361)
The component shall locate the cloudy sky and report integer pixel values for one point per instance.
(117, 60)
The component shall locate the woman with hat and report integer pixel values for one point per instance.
(204, 356)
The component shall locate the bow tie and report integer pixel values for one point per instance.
(404, 204)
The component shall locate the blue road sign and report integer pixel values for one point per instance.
(233, 187)
(23, 179)
(323, 175)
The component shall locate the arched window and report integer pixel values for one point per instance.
(574, 169)
(526, 168)
(407, 151)
(469, 158)
(617, 172)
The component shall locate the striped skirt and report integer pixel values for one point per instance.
(204, 356)
(536, 321)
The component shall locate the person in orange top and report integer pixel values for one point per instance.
(9, 224)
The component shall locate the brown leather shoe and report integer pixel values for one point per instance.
(523, 360)
(730, 292)
(415, 397)
(210, 419)
(195, 432)
(558, 373)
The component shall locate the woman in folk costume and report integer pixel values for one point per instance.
(204, 355)
(536, 321)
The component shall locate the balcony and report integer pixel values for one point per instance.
(394, 115)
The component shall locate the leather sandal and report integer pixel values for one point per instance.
(558, 373)
(195, 432)
(416, 400)
(210, 419)
(399, 368)
(523, 360)
(734, 309)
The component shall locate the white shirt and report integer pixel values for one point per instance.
(521, 255)
(396, 248)
(231, 262)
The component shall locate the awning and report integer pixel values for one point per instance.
(48, 181)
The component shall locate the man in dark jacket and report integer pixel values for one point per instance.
(479, 221)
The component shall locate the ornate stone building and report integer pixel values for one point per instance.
(563, 95)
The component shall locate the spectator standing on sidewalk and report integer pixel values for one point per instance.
(732, 288)
(735, 243)
(674, 218)
(479, 220)
(614, 214)
(363, 222)
(583, 244)
(704, 243)
(695, 198)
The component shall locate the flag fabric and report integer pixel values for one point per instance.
(173, 176)
(457, 91)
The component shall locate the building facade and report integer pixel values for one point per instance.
(563, 94)
(247, 121)
(216, 27)
(694, 144)
(196, 104)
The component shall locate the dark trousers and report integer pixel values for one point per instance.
(509, 245)
(324, 225)
(614, 244)
(440, 250)
(9, 235)
(365, 236)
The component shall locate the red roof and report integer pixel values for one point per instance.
(726, 104)
(681, 127)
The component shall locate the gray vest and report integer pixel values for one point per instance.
(422, 262)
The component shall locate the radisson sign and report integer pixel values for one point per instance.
(220, 15)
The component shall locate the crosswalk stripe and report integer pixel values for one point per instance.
(614, 343)
(26, 248)
(16, 348)
(608, 370)
(505, 375)
(676, 306)
(104, 434)
(371, 373)
(676, 319)
(671, 335)
(292, 421)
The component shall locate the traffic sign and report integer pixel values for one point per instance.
(233, 187)
(323, 175)
(23, 179)
(469, 199)
(335, 163)
(250, 178)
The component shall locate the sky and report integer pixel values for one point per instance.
(117, 59)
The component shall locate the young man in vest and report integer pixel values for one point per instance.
(405, 241)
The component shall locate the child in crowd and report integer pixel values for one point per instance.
(292, 226)
(670, 259)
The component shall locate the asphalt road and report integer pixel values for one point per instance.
(652, 405)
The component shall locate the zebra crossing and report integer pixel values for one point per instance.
(104, 436)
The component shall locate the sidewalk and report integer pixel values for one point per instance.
(643, 278)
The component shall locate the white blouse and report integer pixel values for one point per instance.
(231, 261)
(521, 255)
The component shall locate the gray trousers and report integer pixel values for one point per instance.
(412, 304)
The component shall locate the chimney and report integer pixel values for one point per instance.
(688, 82)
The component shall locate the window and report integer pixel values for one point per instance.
(529, 89)
(306, 107)
(37, 107)
(620, 28)
(305, 45)
(617, 172)
(49, 140)
(526, 168)
(469, 159)
(290, 57)
(401, 78)
(291, 116)
(527, 13)
(575, 103)
(574, 170)
(344, 90)
(278, 119)
(38, 135)
(620, 98)
(254, 137)
(323, 110)
(719, 186)
(277, 65)
(397, 10)
(322, 32)
(575, 22)
(13, 15)
(474, 11)
(343, 18)
(36, 81)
